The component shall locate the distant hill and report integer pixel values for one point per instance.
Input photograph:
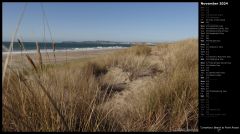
(97, 42)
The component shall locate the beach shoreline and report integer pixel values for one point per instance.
(61, 56)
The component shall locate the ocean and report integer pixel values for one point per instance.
(30, 47)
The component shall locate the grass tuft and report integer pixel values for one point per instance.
(140, 50)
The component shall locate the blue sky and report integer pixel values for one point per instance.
(150, 22)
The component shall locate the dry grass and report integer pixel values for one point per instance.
(39, 56)
(174, 94)
(139, 49)
(158, 92)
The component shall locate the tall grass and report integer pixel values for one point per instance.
(139, 49)
(71, 97)
(172, 101)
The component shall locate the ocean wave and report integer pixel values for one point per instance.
(64, 50)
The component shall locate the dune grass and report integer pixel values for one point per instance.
(140, 49)
(70, 97)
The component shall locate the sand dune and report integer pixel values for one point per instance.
(142, 88)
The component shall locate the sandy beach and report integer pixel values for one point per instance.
(48, 57)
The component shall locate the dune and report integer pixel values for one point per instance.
(142, 88)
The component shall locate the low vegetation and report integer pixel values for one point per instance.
(143, 88)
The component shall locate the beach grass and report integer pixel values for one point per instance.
(142, 88)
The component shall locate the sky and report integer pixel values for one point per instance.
(125, 22)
